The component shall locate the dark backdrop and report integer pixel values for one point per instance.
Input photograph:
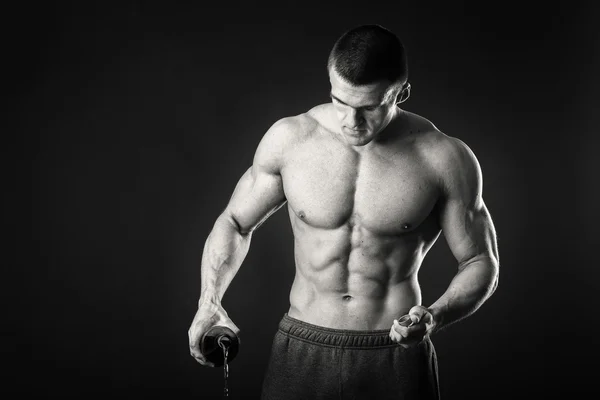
(128, 127)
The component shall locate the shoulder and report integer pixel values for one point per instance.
(282, 136)
(450, 159)
(294, 129)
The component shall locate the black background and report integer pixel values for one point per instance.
(128, 126)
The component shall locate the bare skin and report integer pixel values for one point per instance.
(369, 188)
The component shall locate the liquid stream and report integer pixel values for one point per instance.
(225, 348)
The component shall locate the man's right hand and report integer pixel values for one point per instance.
(207, 316)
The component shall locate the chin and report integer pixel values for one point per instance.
(358, 140)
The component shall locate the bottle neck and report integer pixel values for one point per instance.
(224, 342)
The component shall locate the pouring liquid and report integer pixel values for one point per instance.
(220, 345)
(224, 344)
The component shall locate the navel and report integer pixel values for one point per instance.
(347, 297)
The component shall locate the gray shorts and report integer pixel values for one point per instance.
(310, 362)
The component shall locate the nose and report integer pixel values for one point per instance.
(353, 118)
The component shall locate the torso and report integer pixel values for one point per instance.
(362, 221)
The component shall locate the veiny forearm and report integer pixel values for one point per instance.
(475, 282)
(224, 252)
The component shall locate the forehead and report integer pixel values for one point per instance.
(357, 96)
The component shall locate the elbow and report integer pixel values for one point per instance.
(234, 223)
(494, 286)
(495, 278)
(493, 266)
(489, 267)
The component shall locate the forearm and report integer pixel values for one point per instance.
(475, 282)
(224, 251)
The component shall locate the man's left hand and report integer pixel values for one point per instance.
(421, 324)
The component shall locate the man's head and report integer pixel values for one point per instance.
(368, 73)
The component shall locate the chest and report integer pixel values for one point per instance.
(327, 187)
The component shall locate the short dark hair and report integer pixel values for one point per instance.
(368, 54)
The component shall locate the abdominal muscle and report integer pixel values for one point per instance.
(349, 284)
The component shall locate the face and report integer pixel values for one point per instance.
(362, 111)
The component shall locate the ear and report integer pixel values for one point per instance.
(404, 93)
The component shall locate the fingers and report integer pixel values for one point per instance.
(194, 345)
(200, 326)
(407, 332)
(398, 334)
(420, 313)
(406, 320)
(207, 315)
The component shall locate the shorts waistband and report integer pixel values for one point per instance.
(335, 337)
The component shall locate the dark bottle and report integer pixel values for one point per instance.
(216, 341)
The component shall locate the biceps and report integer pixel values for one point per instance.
(257, 195)
(469, 231)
